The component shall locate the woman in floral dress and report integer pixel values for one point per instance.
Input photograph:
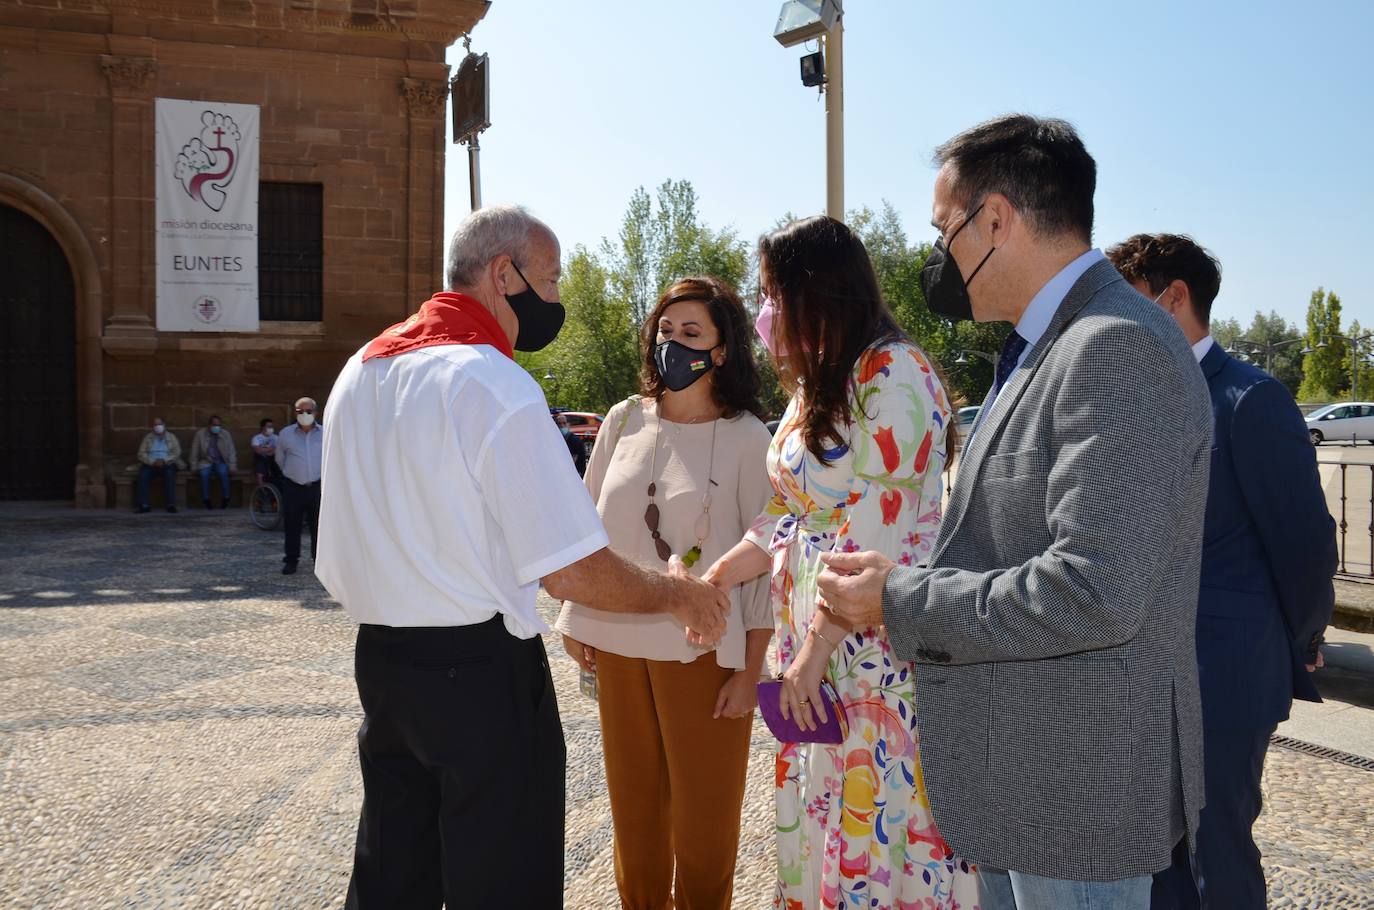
(857, 464)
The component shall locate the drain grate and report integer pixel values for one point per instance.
(1336, 755)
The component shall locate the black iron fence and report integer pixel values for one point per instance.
(1354, 515)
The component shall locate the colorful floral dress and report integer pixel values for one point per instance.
(854, 824)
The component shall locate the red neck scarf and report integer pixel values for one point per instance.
(446, 318)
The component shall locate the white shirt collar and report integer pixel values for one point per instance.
(1202, 347)
(1040, 313)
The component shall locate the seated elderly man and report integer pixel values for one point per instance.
(448, 497)
(159, 455)
(212, 452)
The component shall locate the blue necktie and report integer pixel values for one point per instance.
(1011, 355)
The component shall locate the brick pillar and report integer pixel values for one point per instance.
(424, 181)
(130, 330)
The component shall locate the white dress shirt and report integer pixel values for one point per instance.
(448, 492)
(1040, 313)
(1202, 347)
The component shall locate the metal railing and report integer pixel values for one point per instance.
(1354, 526)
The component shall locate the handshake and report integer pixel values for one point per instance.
(700, 604)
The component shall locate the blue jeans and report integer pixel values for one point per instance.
(1019, 891)
(168, 473)
(222, 470)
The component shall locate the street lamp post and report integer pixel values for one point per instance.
(822, 21)
(1267, 349)
(552, 380)
(963, 357)
(1354, 358)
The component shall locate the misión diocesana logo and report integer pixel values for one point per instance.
(207, 309)
(205, 165)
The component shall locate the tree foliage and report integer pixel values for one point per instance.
(594, 362)
(1326, 369)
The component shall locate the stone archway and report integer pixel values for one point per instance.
(89, 482)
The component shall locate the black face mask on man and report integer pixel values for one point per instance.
(945, 288)
(539, 321)
(679, 365)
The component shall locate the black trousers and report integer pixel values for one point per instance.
(463, 760)
(1227, 863)
(301, 503)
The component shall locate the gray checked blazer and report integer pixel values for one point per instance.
(1053, 629)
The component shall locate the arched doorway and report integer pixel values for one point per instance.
(38, 429)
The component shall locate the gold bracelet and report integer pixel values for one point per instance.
(817, 633)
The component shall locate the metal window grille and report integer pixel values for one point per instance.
(291, 251)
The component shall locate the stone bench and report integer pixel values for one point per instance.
(187, 489)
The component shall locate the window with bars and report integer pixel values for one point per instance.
(291, 251)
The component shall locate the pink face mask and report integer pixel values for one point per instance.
(763, 324)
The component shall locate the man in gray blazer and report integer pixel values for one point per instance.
(1053, 628)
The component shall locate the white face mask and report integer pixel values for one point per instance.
(159, 428)
(305, 420)
(270, 432)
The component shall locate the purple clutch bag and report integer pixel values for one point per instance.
(787, 730)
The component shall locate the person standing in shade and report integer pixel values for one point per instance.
(299, 452)
(1268, 555)
(450, 499)
(1052, 625)
(212, 452)
(158, 455)
(576, 447)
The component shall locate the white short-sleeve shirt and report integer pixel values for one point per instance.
(447, 491)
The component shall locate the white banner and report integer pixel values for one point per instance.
(207, 216)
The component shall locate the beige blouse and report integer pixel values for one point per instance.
(618, 477)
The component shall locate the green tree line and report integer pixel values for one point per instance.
(609, 292)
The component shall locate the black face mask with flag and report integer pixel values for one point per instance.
(945, 287)
(679, 365)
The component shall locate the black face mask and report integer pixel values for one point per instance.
(539, 321)
(679, 365)
(945, 288)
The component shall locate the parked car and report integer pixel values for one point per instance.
(967, 416)
(1350, 420)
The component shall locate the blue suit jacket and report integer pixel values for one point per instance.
(1268, 552)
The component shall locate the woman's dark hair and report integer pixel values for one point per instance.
(829, 311)
(735, 383)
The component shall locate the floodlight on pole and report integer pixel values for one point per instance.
(823, 20)
(805, 20)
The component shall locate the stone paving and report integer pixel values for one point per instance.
(177, 728)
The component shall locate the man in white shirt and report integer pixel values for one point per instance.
(450, 497)
(299, 453)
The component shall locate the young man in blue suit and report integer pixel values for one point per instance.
(1268, 555)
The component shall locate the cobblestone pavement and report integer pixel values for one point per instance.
(177, 728)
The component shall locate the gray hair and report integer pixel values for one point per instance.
(499, 230)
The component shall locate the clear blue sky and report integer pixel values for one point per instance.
(1248, 125)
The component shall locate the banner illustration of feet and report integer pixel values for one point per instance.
(205, 166)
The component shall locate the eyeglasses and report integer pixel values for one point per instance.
(651, 519)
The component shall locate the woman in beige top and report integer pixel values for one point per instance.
(679, 471)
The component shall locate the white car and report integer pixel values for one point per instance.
(967, 416)
(1350, 420)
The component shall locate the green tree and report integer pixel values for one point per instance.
(1226, 332)
(1284, 362)
(1326, 369)
(595, 360)
(1363, 387)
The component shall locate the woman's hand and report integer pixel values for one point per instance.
(585, 655)
(800, 693)
(739, 696)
